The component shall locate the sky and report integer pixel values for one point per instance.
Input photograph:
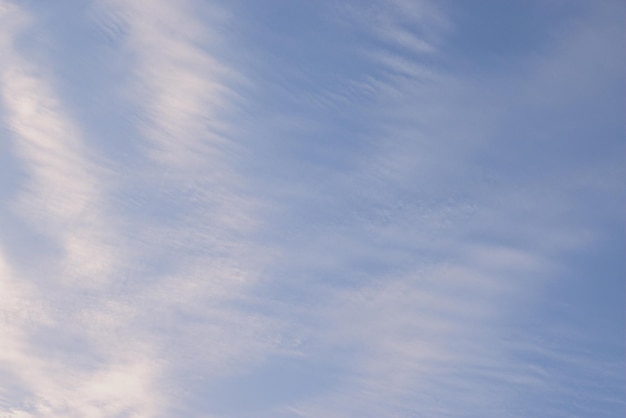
(322, 209)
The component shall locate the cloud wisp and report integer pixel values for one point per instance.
(125, 302)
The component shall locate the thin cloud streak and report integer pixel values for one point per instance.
(179, 86)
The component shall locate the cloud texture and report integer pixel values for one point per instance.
(294, 209)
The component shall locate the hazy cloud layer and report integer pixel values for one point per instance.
(311, 209)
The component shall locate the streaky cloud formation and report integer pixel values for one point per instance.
(311, 209)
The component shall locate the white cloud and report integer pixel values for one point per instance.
(178, 85)
(62, 195)
(110, 334)
(63, 198)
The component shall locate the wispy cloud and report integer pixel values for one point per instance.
(179, 86)
(113, 324)
(55, 368)
(362, 227)
(420, 261)
(62, 195)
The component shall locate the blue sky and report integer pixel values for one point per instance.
(290, 208)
